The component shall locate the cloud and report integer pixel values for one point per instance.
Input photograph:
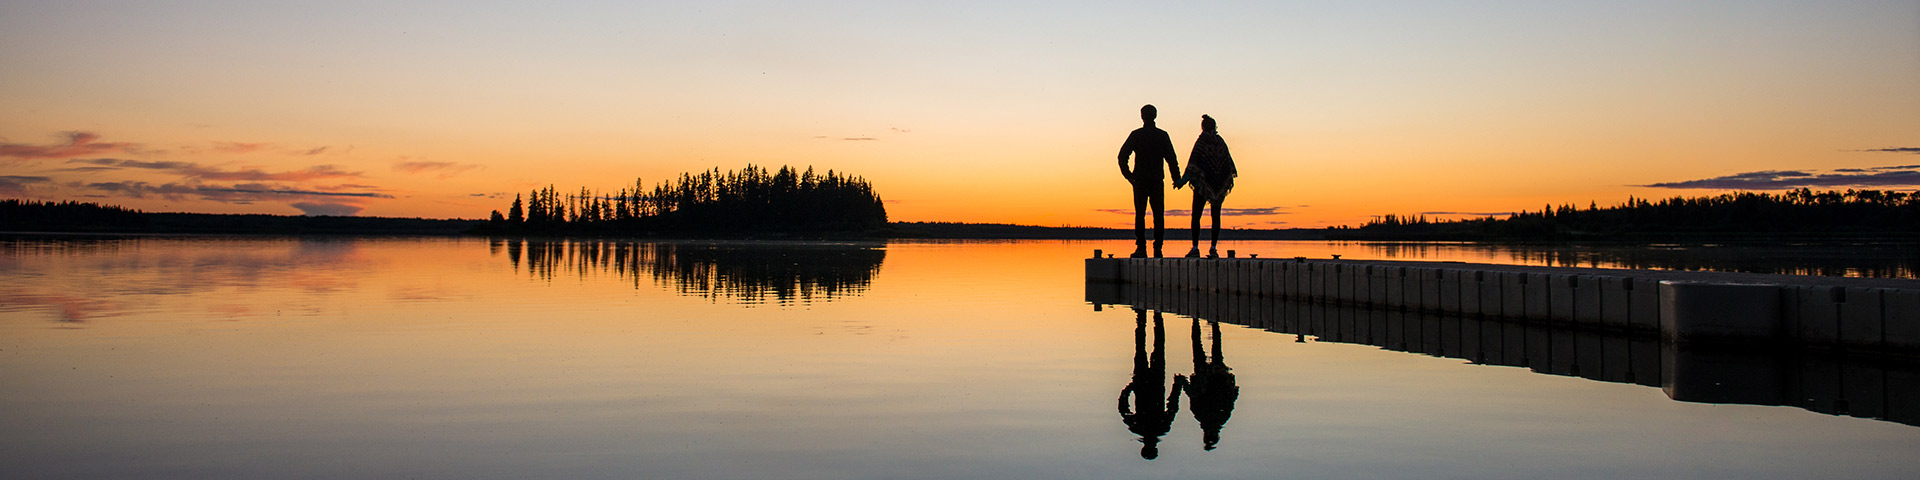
(122, 163)
(240, 147)
(861, 139)
(1224, 212)
(1895, 176)
(16, 185)
(78, 143)
(315, 151)
(195, 170)
(227, 193)
(443, 169)
(899, 130)
(1897, 150)
(336, 209)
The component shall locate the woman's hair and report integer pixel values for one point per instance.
(1206, 123)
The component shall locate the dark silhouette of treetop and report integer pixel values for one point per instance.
(749, 200)
(1802, 211)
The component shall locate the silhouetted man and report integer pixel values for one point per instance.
(1212, 389)
(1148, 145)
(1149, 418)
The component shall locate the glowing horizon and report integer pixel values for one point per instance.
(985, 113)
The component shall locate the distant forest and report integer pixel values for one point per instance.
(1795, 212)
(749, 200)
(83, 217)
(32, 215)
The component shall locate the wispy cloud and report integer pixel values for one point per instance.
(249, 174)
(1897, 150)
(1893, 176)
(243, 148)
(442, 169)
(336, 209)
(16, 185)
(240, 147)
(223, 193)
(1224, 212)
(78, 144)
(860, 139)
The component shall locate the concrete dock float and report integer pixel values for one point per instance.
(1832, 382)
(1876, 316)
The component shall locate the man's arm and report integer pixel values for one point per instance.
(1126, 150)
(1173, 165)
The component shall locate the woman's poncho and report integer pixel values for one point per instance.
(1210, 168)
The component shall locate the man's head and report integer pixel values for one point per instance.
(1147, 113)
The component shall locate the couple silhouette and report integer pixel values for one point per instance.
(1211, 387)
(1210, 173)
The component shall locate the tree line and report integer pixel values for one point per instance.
(743, 201)
(1801, 211)
(31, 215)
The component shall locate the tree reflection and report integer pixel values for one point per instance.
(736, 272)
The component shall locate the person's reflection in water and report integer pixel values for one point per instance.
(1149, 417)
(1211, 390)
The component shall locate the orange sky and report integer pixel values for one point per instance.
(983, 112)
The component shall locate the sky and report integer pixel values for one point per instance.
(994, 112)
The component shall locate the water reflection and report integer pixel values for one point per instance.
(81, 278)
(1149, 417)
(1210, 389)
(1825, 382)
(1852, 259)
(748, 273)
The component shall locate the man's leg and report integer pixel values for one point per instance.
(1199, 206)
(1139, 222)
(1159, 200)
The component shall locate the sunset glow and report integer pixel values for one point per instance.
(970, 112)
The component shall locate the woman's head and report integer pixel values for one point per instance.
(1206, 124)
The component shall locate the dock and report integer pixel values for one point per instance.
(1879, 317)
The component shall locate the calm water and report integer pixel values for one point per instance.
(465, 358)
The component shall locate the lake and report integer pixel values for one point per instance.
(229, 357)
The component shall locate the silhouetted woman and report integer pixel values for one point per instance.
(1149, 416)
(1210, 171)
(1212, 389)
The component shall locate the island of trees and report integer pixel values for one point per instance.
(747, 201)
(1801, 212)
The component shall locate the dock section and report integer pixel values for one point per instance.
(1831, 382)
(1876, 316)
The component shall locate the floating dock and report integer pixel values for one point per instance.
(1831, 382)
(1874, 316)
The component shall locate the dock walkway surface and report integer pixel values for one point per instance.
(1858, 315)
